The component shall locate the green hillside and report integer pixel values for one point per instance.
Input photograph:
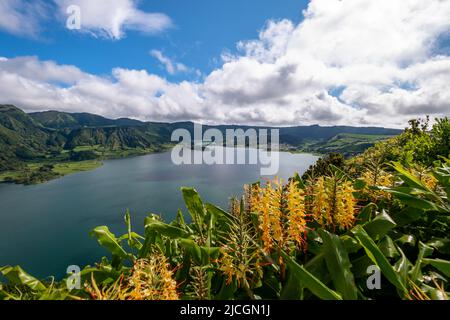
(21, 138)
(31, 144)
(347, 144)
(60, 120)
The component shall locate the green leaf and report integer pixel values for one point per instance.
(193, 249)
(414, 201)
(309, 281)
(340, 174)
(164, 229)
(388, 247)
(132, 237)
(436, 294)
(201, 255)
(220, 214)
(127, 219)
(291, 290)
(208, 254)
(380, 226)
(194, 205)
(408, 239)
(424, 251)
(299, 180)
(408, 215)
(365, 214)
(339, 265)
(440, 244)
(441, 265)
(402, 267)
(17, 276)
(108, 240)
(360, 184)
(227, 290)
(409, 178)
(442, 174)
(180, 219)
(377, 257)
(350, 244)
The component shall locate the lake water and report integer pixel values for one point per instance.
(45, 228)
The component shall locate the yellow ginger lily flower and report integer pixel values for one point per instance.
(334, 203)
(296, 214)
(345, 209)
(281, 214)
(152, 279)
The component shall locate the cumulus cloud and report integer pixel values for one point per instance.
(358, 62)
(100, 18)
(22, 17)
(112, 18)
(32, 68)
(170, 66)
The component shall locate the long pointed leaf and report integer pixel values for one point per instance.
(309, 281)
(108, 240)
(152, 225)
(17, 276)
(339, 265)
(375, 254)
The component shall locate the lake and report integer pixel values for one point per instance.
(45, 228)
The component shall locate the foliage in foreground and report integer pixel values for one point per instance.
(312, 238)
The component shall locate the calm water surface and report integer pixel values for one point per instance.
(45, 228)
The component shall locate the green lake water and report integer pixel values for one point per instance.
(45, 228)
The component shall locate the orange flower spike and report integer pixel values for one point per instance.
(227, 265)
(345, 215)
(320, 203)
(275, 196)
(263, 210)
(296, 214)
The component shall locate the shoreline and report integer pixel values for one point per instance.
(57, 170)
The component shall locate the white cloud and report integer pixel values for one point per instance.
(112, 18)
(21, 17)
(358, 62)
(170, 66)
(41, 71)
(104, 18)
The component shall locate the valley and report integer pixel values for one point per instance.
(39, 147)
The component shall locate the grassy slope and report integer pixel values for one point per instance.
(347, 144)
(73, 167)
(33, 173)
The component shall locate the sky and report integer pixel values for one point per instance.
(262, 62)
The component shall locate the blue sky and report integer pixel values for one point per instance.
(262, 62)
(202, 30)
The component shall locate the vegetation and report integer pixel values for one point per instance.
(41, 172)
(320, 237)
(55, 137)
(346, 144)
(323, 166)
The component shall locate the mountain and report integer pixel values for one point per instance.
(59, 120)
(21, 138)
(290, 135)
(59, 136)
